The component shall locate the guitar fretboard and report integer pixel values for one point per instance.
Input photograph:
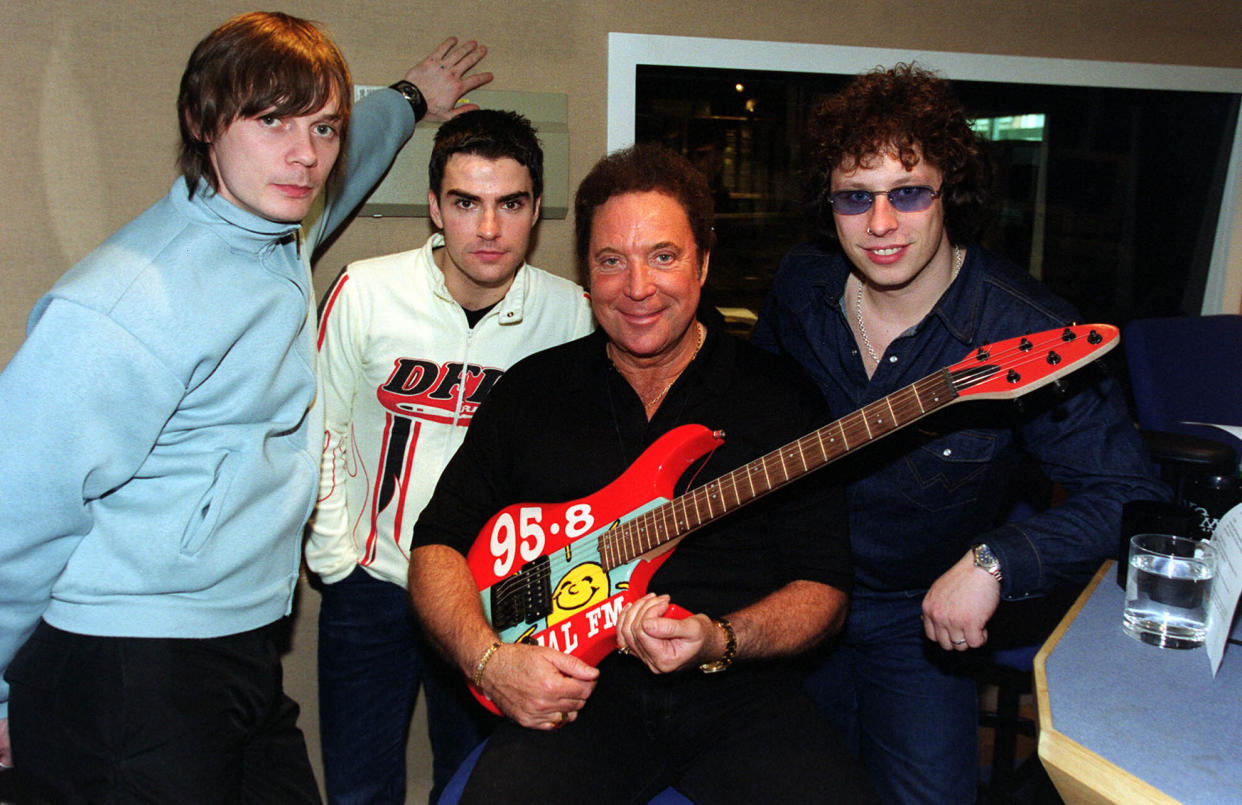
(718, 497)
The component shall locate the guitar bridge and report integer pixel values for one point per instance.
(525, 596)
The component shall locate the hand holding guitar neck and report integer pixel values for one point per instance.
(666, 641)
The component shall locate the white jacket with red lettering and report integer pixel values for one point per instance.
(401, 374)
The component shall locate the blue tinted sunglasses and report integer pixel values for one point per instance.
(903, 199)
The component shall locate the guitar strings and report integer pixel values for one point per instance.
(628, 538)
(904, 401)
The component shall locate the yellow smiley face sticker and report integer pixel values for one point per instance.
(582, 586)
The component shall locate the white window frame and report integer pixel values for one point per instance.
(1222, 293)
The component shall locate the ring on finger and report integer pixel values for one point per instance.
(961, 642)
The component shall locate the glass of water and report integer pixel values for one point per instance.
(1167, 588)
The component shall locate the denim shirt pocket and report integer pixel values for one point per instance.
(206, 513)
(948, 472)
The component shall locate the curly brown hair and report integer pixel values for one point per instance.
(638, 169)
(910, 113)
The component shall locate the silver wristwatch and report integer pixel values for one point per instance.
(986, 560)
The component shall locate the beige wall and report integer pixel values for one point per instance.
(89, 87)
(88, 92)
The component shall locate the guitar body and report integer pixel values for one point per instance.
(568, 600)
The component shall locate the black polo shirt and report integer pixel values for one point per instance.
(563, 423)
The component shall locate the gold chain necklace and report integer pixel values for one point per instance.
(698, 329)
(958, 259)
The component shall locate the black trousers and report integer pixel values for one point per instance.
(156, 720)
(742, 736)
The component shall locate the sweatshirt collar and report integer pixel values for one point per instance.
(212, 208)
(511, 307)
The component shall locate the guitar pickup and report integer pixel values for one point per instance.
(524, 597)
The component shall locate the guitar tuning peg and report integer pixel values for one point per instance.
(1025, 344)
(1068, 335)
(1094, 337)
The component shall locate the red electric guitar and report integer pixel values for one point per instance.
(557, 574)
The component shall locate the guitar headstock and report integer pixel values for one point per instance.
(1013, 367)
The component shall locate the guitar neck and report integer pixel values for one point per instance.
(735, 489)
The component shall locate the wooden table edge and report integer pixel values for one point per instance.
(1080, 775)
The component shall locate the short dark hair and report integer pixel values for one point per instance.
(643, 168)
(491, 134)
(252, 63)
(904, 111)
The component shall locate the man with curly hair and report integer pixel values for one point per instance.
(895, 289)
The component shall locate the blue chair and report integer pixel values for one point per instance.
(1187, 369)
(1016, 633)
(452, 791)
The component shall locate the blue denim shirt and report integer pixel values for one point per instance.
(921, 497)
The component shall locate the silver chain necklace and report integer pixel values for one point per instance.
(958, 259)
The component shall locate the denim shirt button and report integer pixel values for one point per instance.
(892, 358)
(947, 452)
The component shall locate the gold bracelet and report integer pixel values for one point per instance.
(482, 663)
(730, 649)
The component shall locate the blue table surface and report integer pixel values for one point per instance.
(1157, 713)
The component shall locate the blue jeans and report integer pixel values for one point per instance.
(372, 657)
(904, 705)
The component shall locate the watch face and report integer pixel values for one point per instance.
(985, 558)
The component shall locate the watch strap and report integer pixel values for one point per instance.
(415, 96)
(730, 648)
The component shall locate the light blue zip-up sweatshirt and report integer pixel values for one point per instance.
(161, 443)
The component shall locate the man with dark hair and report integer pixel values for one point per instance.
(903, 291)
(411, 344)
(164, 443)
(702, 702)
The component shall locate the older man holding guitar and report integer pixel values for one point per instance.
(702, 702)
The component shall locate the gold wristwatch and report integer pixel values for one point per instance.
(730, 649)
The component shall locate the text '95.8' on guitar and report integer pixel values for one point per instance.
(558, 574)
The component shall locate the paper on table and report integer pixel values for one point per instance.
(1233, 430)
(1226, 585)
